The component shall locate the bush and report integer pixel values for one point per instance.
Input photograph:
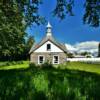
(46, 65)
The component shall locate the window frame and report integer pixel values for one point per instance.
(54, 59)
(39, 59)
(49, 46)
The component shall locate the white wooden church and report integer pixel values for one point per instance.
(48, 50)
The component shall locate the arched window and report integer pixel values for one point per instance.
(48, 47)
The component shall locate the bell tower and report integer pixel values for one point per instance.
(49, 29)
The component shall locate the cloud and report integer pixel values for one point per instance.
(70, 47)
(89, 46)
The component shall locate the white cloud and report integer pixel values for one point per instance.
(89, 46)
(70, 47)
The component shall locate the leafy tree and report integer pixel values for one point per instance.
(12, 29)
(70, 55)
(30, 41)
(16, 15)
(62, 8)
(91, 15)
(30, 10)
(85, 53)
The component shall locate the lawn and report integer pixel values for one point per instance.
(82, 66)
(21, 82)
(48, 84)
(14, 65)
(88, 67)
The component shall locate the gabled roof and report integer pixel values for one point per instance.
(44, 40)
(50, 38)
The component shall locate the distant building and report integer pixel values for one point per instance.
(48, 50)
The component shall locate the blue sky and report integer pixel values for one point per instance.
(71, 30)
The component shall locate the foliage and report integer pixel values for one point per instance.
(86, 54)
(17, 15)
(92, 13)
(70, 55)
(63, 7)
(29, 43)
(48, 84)
(30, 10)
(46, 65)
(12, 33)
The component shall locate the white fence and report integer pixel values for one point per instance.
(84, 59)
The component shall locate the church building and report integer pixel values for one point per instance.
(48, 50)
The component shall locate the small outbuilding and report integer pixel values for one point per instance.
(48, 50)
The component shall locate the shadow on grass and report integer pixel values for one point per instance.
(48, 83)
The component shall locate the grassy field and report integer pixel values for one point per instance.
(95, 68)
(67, 82)
(14, 65)
(48, 83)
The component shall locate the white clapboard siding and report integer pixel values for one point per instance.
(43, 48)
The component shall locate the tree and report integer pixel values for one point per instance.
(30, 41)
(62, 8)
(30, 10)
(99, 50)
(12, 31)
(70, 55)
(16, 15)
(91, 15)
(86, 54)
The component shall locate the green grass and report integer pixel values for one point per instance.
(95, 68)
(25, 64)
(21, 82)
(48, 84)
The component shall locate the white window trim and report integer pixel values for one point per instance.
(43, 59)
(53, 59)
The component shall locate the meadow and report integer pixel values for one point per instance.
(70, 81)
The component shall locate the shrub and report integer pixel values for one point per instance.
(46, 65)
